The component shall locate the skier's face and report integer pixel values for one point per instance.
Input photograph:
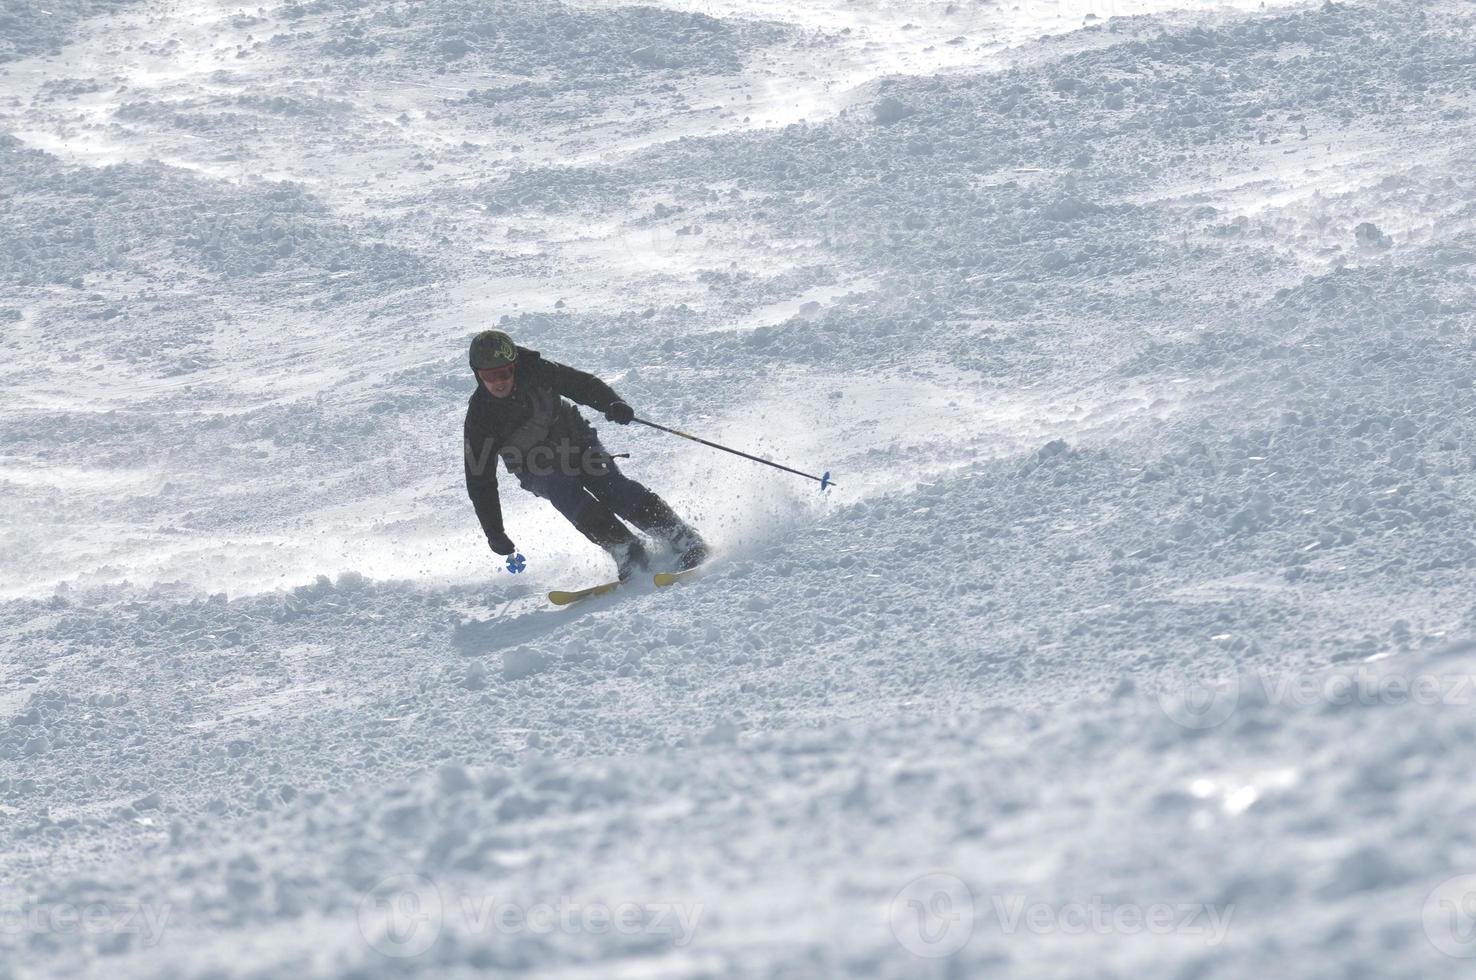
(497, 381)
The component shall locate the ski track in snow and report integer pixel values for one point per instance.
(1138, 344)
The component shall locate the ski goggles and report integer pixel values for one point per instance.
(496, 375)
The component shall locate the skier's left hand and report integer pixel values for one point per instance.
(620, 413)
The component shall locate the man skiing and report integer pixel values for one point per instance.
(518, 415)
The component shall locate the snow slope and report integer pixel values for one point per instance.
(1134, 641)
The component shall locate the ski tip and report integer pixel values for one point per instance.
(665, 578)
(825, 483)
(560, 598)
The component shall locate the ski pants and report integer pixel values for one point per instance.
(570, 492)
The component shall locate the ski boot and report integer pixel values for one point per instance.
(654, 516)
(600, 526)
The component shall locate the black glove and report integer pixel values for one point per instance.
(620, 413)
(501, 543)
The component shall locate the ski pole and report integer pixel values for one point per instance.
(825, 481)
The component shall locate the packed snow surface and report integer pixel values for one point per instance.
(1137, 639)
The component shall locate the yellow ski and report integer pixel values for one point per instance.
(564, 598)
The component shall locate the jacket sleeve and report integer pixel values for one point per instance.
(576, 385)
(481, 477)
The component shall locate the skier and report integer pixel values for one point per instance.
(518, 414)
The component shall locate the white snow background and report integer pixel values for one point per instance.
(1136, 640)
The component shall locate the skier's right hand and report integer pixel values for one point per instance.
(501, 543)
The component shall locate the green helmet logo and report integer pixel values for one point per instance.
(492, 349)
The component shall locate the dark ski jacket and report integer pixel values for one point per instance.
(534, 415)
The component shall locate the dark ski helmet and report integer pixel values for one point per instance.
(492, 349)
